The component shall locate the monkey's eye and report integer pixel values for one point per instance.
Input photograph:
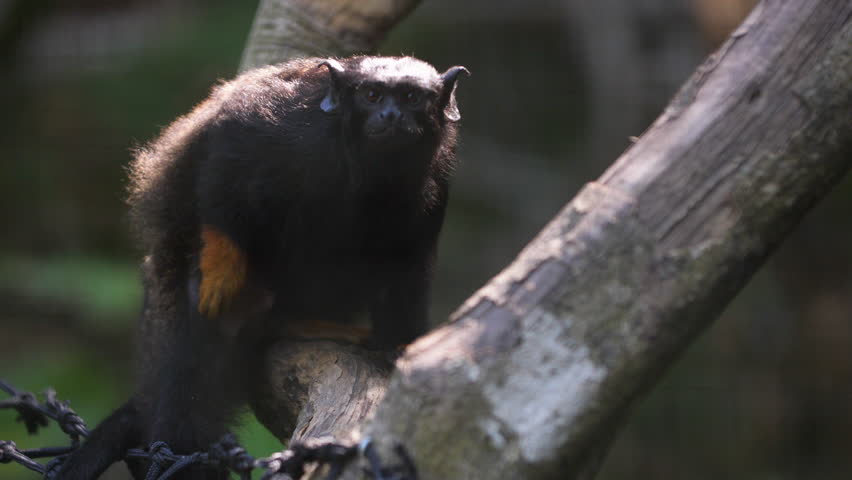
(371, 95)
(412, 97)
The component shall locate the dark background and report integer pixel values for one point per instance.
(557, 89)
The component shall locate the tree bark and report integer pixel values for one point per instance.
(536, 371)
(319, 389)
(285, 29)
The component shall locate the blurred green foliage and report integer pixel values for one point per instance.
(102, 290)
(69, 279)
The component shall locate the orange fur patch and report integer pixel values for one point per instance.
(326, 330)
(223, 271)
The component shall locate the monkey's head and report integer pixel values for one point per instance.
(388, 103)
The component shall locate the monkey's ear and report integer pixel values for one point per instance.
(448, 92)
(332, 99)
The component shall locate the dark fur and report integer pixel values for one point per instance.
(332, 224)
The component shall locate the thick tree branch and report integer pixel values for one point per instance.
(536, 371)
(285, 29)
(320, 389)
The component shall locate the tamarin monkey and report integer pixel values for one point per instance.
(303, 194)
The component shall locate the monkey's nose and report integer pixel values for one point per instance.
(389, 114)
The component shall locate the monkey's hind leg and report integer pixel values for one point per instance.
(106, 445)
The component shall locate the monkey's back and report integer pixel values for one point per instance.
(260, 156)
(165, 200)
(165, 174)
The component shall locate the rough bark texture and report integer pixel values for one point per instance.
(535, 372)
(320, 389)
(285, 29)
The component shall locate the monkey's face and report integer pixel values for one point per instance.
(389, 103)
(392, 116)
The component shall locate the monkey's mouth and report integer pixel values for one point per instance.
(381, 132)
(390, 133)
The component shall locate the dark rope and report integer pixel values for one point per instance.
(226, 454)
(26, 405)
(35, 415)
(161, 456)
(184, 462)
(47, 452)
(70, 423)
(9, 452)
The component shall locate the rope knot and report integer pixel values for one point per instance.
(69, 421)
(228, 452)
(160, 454)
(7, 450)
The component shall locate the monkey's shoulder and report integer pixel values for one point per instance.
(268, 92)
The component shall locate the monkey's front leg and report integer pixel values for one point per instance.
(401, 313)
